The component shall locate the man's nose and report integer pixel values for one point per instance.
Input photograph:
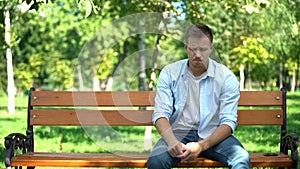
(198, 54)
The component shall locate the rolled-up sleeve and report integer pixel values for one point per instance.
(164, 97)
(229, 102)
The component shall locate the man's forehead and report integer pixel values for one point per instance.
(196, 41)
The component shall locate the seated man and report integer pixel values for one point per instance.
(196, 108)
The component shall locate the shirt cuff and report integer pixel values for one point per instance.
(156, 116)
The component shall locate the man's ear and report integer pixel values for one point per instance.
(185, 46)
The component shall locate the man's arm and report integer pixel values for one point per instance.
(220, 134)
(163, 127)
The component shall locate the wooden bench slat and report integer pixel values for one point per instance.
(144, 98)
(91, 117)
(135, 117)
(260, 117)
(67, 98)
(260, 98)
(131, 160)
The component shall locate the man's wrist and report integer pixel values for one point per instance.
(171, 141)
(203, 145)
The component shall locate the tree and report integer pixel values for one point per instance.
(56, 33)
(252, 55)
(281, 39)
(10, 42)
(10, 76)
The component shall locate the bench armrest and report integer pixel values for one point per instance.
(290, 142)
(15, 141)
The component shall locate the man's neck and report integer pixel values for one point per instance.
(197, 71)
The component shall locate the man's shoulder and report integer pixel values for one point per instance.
(219, 67)
(175, 69)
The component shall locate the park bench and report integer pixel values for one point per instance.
(48, 108)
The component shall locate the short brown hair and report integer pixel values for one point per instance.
(199, 30)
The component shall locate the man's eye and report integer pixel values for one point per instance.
(199, 49)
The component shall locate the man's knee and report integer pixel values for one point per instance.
(154, 162)
(161, 161)
(242, 160)
(244, 156)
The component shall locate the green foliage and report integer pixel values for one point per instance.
(279, 36)
(23, 77)
(107, 63)
(26, 72)
(251, 51)
(55, 33)
(252, 54)
(61, 74)
(58, 31)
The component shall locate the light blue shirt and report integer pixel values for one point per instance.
(219, 94)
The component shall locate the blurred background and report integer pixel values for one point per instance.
(107, 45)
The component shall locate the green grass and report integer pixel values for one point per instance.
(121, 139)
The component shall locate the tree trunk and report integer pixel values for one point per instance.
(142, 76)
(148, 129)
(297, 73)
(242, 77)
(80, 78)
(96, 84)
(249, 77)
(280, 75)
(109, 83)
(147, 137)
(293, 85)
(142, 62)
(10, 74)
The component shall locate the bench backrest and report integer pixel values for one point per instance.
(135, 108)
(65, 108)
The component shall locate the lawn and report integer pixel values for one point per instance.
(101, 139)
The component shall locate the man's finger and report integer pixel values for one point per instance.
(183, 155)
(172, 152)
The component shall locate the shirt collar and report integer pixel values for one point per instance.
(211, 68)
(209, 72)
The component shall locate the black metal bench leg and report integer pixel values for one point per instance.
(290, 143)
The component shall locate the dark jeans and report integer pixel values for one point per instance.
(230, 152)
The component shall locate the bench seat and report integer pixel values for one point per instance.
(136, 160)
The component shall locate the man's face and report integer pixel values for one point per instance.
(198, 51)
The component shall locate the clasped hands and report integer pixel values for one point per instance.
(186, 152)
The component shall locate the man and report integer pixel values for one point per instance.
(196, 108)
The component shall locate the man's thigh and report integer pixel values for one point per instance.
(225, 150)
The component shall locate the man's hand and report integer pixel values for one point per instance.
(191, 151)
(175, 148)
